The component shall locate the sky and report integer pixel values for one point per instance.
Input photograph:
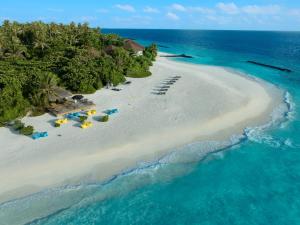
(160, 14)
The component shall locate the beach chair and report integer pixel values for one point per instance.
(38, 135)
(116, 89)
(114, 110)
(127, 82)
(77, 114)
(61, 121)
(73, 116)
(86, 124)
(44, 134)
(111, 111)
(91, 112)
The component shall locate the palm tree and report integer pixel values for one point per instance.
(40, 41)
(10, 43)
(48, 84)
(46, 91)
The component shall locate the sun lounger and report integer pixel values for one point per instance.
(38, 135)
(166, 86)
(111, 111)
(61, 121)
(35, 136)
(127, 82)
(116, 89)
(91, 112)
(86, 124)
(72, 116)
(44, 134)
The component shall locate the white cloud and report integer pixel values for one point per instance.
(178, 7)
(202, 10)
(149, 9)
(172, 16)
(128, 8)
(228, 8)
(264, 10)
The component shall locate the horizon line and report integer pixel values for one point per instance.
(198, 29)
(137, 28)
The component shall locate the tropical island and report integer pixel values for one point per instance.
(39, 61)
(139, 120)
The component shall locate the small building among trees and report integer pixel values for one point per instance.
(59, 95)
(131, 45)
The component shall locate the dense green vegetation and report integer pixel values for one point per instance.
(36, 57)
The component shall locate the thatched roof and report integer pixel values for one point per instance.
(132, 45)
(70, 107)
(59, 93)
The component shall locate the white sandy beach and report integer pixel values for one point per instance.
(207, 103)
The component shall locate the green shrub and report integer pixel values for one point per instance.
(18, 125)
(138, 73)
(56, 125)
(104, 118)
(83, 118)
(27, 130)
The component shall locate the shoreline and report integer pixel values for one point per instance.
(112, 158)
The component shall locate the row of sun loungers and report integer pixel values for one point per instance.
(162, 90)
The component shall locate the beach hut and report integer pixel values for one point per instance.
(59, 95)
(69, 107)
(131, 45)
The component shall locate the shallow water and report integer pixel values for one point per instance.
(255, 180)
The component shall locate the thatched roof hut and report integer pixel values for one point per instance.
(132, 45)
(59, 94)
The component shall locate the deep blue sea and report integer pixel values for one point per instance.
(255, 181)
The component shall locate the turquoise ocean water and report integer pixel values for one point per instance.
(251, 180)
